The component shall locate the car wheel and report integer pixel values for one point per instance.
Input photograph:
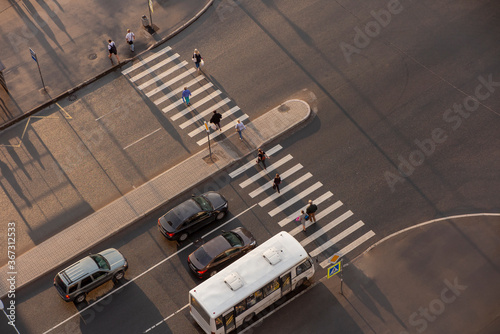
(80, 298)
(221, 215)
(119, 275)
(183, 236)
(213, 272)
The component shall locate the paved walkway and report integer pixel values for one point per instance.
(438, 277)
(123, 212)
(70, 41)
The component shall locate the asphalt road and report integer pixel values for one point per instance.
(372, 116)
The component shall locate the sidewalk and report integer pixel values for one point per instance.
(437, 277)
(70, 41)
(136, 204)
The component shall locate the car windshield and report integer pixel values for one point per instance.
(201, 255)
(204, 204)
(101, 261)
(233, 239)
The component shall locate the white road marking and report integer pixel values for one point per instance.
(187, 110)
(141, 138)
(283, 176)
(162, 75)
(317, 201)
(153, 68)
(322, 230)
(251, 163)
(265, 172)
(194, 93)
(205, 112)
(164, 320)
(171, 82)
(143, 273)
(336, 239)
(294, 199)
(224, 116)
(146, 60)
(285, 189)
(217, 133)
(319, 216)
(349, 247)
(107, 113)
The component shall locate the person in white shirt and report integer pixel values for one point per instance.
(239, 128)
(112, 50)
(130, 37)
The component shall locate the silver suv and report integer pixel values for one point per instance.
(74, 282)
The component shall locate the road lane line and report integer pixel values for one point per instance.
(349, 247)
(180, 101)
(143, 273)
(251, 164)
(265, 172)
(172, 81)
(146, 60)
(285, 189)
(283, 176)
(107, 113)
(225, 128)
(317, 201)
(205, 112)
(162, 75)
(337, 238)
(201, 102)
(142, 138)
(322, 230)
(294, 199)
(202, 127)
(151, 69)
(164, 320)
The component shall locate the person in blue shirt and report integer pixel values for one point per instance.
(186, 93)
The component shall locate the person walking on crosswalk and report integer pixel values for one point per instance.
(261, 157)
(311, 211)
(302, 219)
(239, 128)
(130, 37)
(277, 182)
(186, 93)
(216, 117)
(197, 59)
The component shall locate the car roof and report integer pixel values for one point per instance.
(78, 270)
(216, 246)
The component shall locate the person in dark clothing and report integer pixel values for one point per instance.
(197, 59)
(311, 211)
(277, 182)
(261, 157)
(216, 117)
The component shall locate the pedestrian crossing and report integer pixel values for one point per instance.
(336, 230)
(162, 75)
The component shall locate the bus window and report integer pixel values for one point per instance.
(303, 267)
(229, 319)
(271, 287)
(241, 307)
(218, 322)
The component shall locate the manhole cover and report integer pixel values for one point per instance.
(72, 97)
(92, 56)
(283, 108)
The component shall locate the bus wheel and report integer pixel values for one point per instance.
(249, 318)
(301, 283)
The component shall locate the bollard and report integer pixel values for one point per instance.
(145, 22)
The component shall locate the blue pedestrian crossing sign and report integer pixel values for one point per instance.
(33, 55)
(334, 270)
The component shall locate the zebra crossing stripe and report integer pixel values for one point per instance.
(172, 81)
(251, 163)
(264, 173)
(349, 247)
(336, 239)
(217, 133)
(154, 68)
(326, 228)
(162, 75)
(180, 101)
(224, 116)
(294, 199)
(146, 60)
(317, 201)
(322, 214)
(204, 113)
(283, 176)
(204, 100)
(285, 189)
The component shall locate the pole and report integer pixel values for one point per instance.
(150, 16)
(2, 307)
(208, 136)
(39, 71)
(341, 278)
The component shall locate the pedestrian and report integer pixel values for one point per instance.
(197, 59)
(302, 218)
(112, 50)
(186, 93)
(239, 128)
(277, 182)
(311, 210)
(261, 157)
(130, 37)
(216, 117)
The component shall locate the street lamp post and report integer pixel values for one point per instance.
(3, 309)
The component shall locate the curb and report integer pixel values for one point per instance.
(104, 73)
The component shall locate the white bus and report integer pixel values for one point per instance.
(243, 289)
